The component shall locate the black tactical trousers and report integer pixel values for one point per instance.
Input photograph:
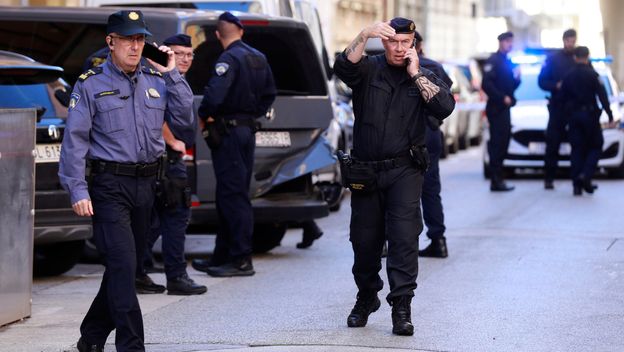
(555, 134)
(499, 120)
(122, 207)
(586, 140)
(433, 213)
(391, 213)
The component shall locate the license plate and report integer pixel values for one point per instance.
(273, 139)
(539, 148)
(48, 153)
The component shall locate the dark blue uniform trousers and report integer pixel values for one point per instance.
(555, 134)
(586, 141)
(391, 213)
(171, 225)
(122, 207)
(433, 214)
(233, 165)
(499, 120)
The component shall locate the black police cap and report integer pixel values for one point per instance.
(418, 37)
(179, 39)
(126, 23)
(570, 33)
(228, 17)
(504, 36)
(402, 25)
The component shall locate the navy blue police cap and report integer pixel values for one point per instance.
(127, 23)
(228, 17)
(402, 25)
(179, 39)
(418, 37)
(504, 36)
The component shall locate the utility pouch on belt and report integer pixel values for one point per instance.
(172, 192)
(214, 132)
(420, 157)
(358, 177)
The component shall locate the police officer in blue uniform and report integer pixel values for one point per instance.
(173, 197)
(554, 70)
(433, 213)
(241, 90)
(114, 127)
(500, 80)
(392, 97)
(579, 90)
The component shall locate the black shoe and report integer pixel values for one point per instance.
(577, 187)
(549, 184)
(435, 249)
(202, 264)
(500, 186)
(154, 269)
(145, 285)
(588, 186)
(183, 285)
(402, 316)
(83, 346)
(242, 267)
(311, 232)
(364, 306)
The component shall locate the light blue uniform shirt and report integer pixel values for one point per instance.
(116, 117)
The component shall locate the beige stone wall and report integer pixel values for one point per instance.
(350, 16)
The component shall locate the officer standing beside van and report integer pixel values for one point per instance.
(392, 96)
(114, 126)
(241, 90)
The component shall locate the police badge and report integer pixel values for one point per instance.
(221, 68)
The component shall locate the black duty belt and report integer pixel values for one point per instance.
(240, 122)
(388, 164)
(134, 170)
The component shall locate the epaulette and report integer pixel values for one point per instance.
(151, 71)
(90, 72)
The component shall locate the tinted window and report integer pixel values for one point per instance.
(31, 96)
(290, 52)
(529, 90)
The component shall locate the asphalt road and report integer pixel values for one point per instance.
(530, 270)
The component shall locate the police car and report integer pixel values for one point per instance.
(59, 234)
(529, 118)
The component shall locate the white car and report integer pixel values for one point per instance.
(529, 118)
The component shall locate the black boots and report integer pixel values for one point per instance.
(402, 316)
(435, 249)
(364, 306)
(239, 267)
(311, 232)
(499, 185)
(84, 346)
(183, 285)
(549, 184)
(145, 285)
(581, 184)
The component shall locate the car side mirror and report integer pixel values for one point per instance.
(63, 96)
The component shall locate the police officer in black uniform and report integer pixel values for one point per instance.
(579, 90)
(500, 80)
(392, 96)
(433, 213)
(241, 90)
(554, 70)
(114, 126)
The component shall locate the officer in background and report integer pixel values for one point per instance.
(550, 78)
(500, 80)
(392, 96)
(579, 90)
(114, 126)
(241, 90)
(172, 207)
(433, 213)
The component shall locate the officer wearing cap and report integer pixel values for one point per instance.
(433, 213)
(580, 89)
(241, 89)
(114, 127)
(555, 68)
(173, 197)
(500, 80)
(392, 97)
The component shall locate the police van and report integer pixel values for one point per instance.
(529, 118)
(289, 147)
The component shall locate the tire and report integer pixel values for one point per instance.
(332, 193)
(267, 237)
(445, 148)
(56, 258)
(90, 254)
(617, 172)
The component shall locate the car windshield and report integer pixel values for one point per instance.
(27, 96)
(530, 90)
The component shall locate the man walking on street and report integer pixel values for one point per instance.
(550, 79)
(392, 96)
(500, 80)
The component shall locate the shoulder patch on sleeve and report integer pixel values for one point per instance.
(487, 67)
(74, 98)
(221, 68)
(90, 72)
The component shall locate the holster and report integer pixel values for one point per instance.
(173, 192)
(420, 157)
(213, 133)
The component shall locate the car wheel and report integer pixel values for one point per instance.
(56, 258)
(267, 237)
(445, 148)
(332, 193)
(90, 253)
(617, 172)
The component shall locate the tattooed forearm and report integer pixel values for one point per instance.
(357, 41)
(427, 89)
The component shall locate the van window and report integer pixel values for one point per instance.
(54, 43)
(290, 52)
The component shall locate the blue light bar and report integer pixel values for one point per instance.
(607, 59)
(527, 59)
